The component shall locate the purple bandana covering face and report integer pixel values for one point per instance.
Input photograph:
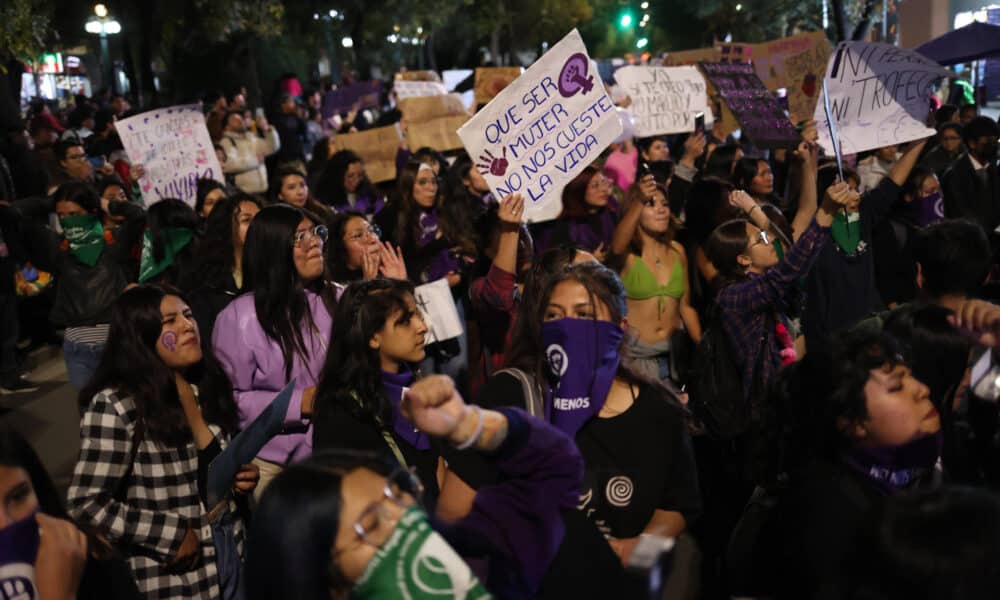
(18, 551)
(582, 355)
(394, 384)
(895, 468)
(929, 209)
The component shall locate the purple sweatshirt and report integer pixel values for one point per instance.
(256, 367)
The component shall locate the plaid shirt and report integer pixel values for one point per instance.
(750, 308)
(161, 499)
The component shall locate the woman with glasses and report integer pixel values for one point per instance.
(346, 524)
(355, 252)
(588, 217)
(277, 331)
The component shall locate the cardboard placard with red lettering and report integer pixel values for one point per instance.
(376, 147)
(490, 81)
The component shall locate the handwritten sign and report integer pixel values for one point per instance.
(804, 72)
(725, 120)
(543, 129)
(490, 81)
(417, 89)
(878, 96)
(432, 121)
(664, 99)
(762, 119)
(437, 306)
(173, 146)
(376, 147)
(418, 76)
(770, 59)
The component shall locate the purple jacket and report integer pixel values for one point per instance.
(256, 367)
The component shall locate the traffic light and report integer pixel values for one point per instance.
(625, 20)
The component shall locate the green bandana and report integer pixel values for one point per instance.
(778, 248)
(846, 231)
(416, 563)
(85, 235)
(174, 240)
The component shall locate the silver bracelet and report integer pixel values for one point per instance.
(475, 434)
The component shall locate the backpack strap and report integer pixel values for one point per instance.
(533, 397)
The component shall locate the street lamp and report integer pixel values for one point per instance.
(102, 24)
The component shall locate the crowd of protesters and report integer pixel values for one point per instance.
(775, 378)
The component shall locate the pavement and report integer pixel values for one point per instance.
(47, 418)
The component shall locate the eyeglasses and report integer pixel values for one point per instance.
(599, 181)
(76, 156)
(372, 526)
(761, 238)
(301, 238)
(372, 230)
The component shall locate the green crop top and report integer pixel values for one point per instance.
(640, 283)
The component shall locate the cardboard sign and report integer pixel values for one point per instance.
(417, 89)
(543, 129)
(664, 99)
(490, 81)
(762, 120)
(692, 57)
(878, 96)
(346, 99)
(376, 147)
(433, 121)
(173, 146)
(418, 76)
(437, 305)
(770, 59)
(804, 72)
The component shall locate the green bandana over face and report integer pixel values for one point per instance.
(174, 240)
(416, 563)
(846, 231)
(85, 235)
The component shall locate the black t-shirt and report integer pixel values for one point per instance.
(635, 462)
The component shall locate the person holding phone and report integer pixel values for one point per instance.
(246, 151)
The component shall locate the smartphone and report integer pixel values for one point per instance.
(96, 161)
(643, 170)
(662, 170)
(649, 551)
(699, 121)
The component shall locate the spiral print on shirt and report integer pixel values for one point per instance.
(619, 491)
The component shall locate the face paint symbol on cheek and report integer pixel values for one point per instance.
(169, 340)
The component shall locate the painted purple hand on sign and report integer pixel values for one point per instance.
(573, 76)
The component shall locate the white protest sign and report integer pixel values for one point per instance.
(173, 146)
(664, 99)
(543, 129)
(878, 96)
(439, 311)
(416, 89)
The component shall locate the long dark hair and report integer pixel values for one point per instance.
(667, 237)
(352, 375)
(574, 195)
(321, 212)
(723, 246)
(330, 188)
(173, 213)
(131, 364)
(452, 215)
(336, 248)
(721, 161)
(291, 541)
(16, 452)
(80, 193)
(269, 272)
(216, 252)
(603, 285)
(205, 187)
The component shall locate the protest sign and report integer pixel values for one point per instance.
(418, 76)
(376, 147)
(804, 72)
(360, 95)
(433, 121)
(725, 121)
(664, 99)
(543, 129)
(437, 306)
(417, 89)
(770, 59)
(878, 96)
(762, 120)
(458, 77)
(173, 146)
(490, 81)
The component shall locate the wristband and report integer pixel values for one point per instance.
(475, 434)
(753, 207)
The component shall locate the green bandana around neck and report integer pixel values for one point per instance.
(846, 231)
(174, 240)
(85, 235)
(417, 563)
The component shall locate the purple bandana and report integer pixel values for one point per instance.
(895, 468)
(427, 227)
(394, 384)
(18, 550)
(582, 355)
(929, 209)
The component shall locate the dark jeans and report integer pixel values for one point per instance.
(81, 361)
(8, 337)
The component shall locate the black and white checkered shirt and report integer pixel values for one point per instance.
(161, 500)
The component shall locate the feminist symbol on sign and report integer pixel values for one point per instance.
(573, 76)
(491, 164)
